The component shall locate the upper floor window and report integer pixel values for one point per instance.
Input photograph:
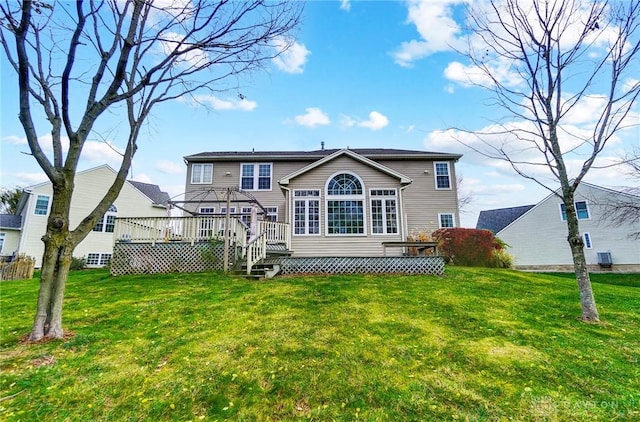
(446, 220)
(582, 211)
(201, 173)
(255, 176)
(345, 205)
(42, 205)
(443, 175)
(107, 222)
(272, 214)
(207, 210)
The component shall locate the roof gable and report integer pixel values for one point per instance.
(498, 219)
(10, 221)
(347, 152)
(152, 192)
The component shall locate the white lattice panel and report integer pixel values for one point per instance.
(363, 265)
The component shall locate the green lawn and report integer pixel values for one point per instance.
(476, 344)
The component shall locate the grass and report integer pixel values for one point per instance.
(476, 344)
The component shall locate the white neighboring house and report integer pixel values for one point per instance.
(537, 235)
(136, 199)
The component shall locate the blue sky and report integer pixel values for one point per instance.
(361, 74)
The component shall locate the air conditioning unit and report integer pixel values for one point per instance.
(604, 259)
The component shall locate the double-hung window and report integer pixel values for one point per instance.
(201, 174)
(42, 205)
(443, 174)
(446, 220)
(582, 210)
(107, 222)
(255, 176)
(345, 205)
(306, 212)
(384, 211)
(272, 214)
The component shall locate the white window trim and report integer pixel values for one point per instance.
(256, 176)
(102, 260)
(575, 206)
(3, 238)
(112, 211)
(306, 200)
(384, 199)
(48, 205)
(435, 174)
(328, 198)
(202, 209)
(272, 213)
(201, 181)
(587, 244)
(453, 218)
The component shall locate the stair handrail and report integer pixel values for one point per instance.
(256, 251)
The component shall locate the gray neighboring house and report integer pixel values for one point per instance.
(537, 235)
(10, 226)
(338, 202)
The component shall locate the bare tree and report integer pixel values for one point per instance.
(9, 199)
(77, 60)
(543, 62)
(624, 209)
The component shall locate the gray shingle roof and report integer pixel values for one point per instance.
(372, 153)
(153, 192)
(498, 219)
(10, 221)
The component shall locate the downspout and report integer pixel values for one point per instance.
(404, 230)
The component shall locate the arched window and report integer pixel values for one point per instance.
(345, 205)
(107, 222)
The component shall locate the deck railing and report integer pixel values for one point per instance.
(178, 229)
(276, 232)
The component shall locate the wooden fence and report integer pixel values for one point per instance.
(20, 268)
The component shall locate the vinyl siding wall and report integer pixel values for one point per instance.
(11, 241)
(539, 237)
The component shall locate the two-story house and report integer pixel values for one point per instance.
(136, 199)
(338, 202)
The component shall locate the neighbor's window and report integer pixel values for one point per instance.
(201, 173)
(2, 235)
(443, 175)
(306, 212)
(446, 220)
(107, 222)
(581, 210)
(98, 259)
(42, 205)
(384, 212)
(255, 176)
(587, 240)
(345, 205)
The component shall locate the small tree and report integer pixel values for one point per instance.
(76, 60)
(543, 61)
(9, 199)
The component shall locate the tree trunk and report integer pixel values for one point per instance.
(587, 300)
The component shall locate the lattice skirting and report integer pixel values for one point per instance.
(147, 258)
(363, 265)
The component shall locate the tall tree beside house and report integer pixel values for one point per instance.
(77, 60)
(9, 199)
(565, 72)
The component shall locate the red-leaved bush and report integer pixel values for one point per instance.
(469, 247)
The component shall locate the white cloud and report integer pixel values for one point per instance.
(345, 5)
(102, 152)
(28, 179)
(313, 117)
(173, 41)
(15, 140)
(376, 121)
(437, 29)
(293, 56)
(240, 104)
(169, 167)
(143, 178)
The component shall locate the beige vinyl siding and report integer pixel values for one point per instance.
(90, 187)
(343, 245)
(539, 237)
(273, 198)
(11, 241)
(422, 202)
